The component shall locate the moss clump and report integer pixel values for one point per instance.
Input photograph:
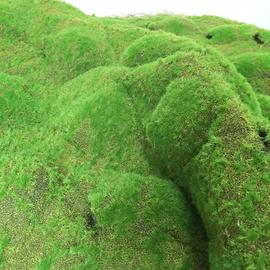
(153, 46)
(256, 68)
(229, 33)
(132, 143)
(15, 100)
(77, 49)
(178, 25)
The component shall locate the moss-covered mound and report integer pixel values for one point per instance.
(256, 68)
(132, 143)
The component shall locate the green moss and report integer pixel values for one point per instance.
(178, 144)
(16, 101)
(153, 46)
(76, 50)
(265, 104)
(237, 164)
(122, 35)
(256, 68)
(132, 143)
(147, 223)
(231, 33)
(4, 242)
(207, 22)
(178, 25)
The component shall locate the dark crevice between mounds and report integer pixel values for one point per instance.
(157, 164)
(197, 231)
(91, 224)
(199, 246)
(263, 136)
(209, 36)
(257, 38)
(90, 221)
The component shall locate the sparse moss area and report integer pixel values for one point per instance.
(132, 143)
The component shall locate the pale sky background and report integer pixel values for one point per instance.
(250, 11)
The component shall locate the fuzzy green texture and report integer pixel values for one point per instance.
(153, 46)
(132, 143)
(256, 68)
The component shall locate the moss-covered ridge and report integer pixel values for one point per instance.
(132, 143)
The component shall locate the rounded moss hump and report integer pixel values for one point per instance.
(231, 33)
(185, 103)
(155, 45)
(75, 50)
(256, 68)
(178, 25)
(144, 220)
(211, 146)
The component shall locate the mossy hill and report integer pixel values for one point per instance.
(136, 143)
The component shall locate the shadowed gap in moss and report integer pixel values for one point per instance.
(209, 36)
(197, 231)
(258, 39)
(90, 220)
(265, 141)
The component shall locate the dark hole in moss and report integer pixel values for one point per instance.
(209, 36)
(258, 39)
(262, 134)
(267, 145)
(90, 221)
(265, 141)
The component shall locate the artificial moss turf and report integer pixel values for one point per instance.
(132, 143)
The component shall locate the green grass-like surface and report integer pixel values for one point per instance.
(132, 143)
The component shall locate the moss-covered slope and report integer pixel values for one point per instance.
(132, 143)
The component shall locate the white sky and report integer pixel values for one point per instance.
(250, 11)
